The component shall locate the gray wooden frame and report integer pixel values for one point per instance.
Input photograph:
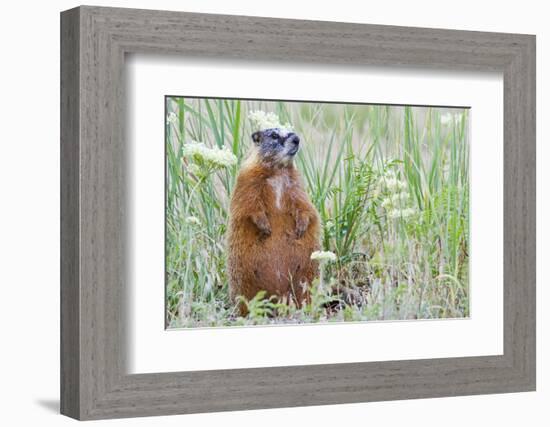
(94, 41)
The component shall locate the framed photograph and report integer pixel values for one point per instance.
(366, 223)
(261, 213)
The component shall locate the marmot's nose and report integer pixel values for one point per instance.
(295, 139)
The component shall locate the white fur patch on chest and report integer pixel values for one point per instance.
(279, 184)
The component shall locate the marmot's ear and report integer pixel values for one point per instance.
(257, 137)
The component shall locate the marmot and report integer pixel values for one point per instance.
(273, 227)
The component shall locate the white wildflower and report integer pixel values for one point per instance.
(401, 213)
(395, 200)
(192, 220)
(171, 117)
(261, 120)
(329, 224)
(394, 184)
(323, 256)
(213, 157)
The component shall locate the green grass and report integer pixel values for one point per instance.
(391, 185)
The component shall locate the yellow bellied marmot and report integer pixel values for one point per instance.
(273, 226)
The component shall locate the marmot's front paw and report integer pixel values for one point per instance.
(262, 224)
(265, 231)
(301, 227)
(264, 227)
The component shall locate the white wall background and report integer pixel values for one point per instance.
(29, 212)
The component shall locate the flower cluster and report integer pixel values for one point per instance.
(171, 118)
(391, 183)
(395, 196)
(216, 158)
(401, 213)
(261, 120)
(323, 256)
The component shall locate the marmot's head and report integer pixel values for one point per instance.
(276, 146)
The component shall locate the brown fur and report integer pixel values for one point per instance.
(271, 241)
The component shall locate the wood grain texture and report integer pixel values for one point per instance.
(70, 292)
(95, 274)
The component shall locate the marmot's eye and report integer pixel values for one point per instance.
(275, 135)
